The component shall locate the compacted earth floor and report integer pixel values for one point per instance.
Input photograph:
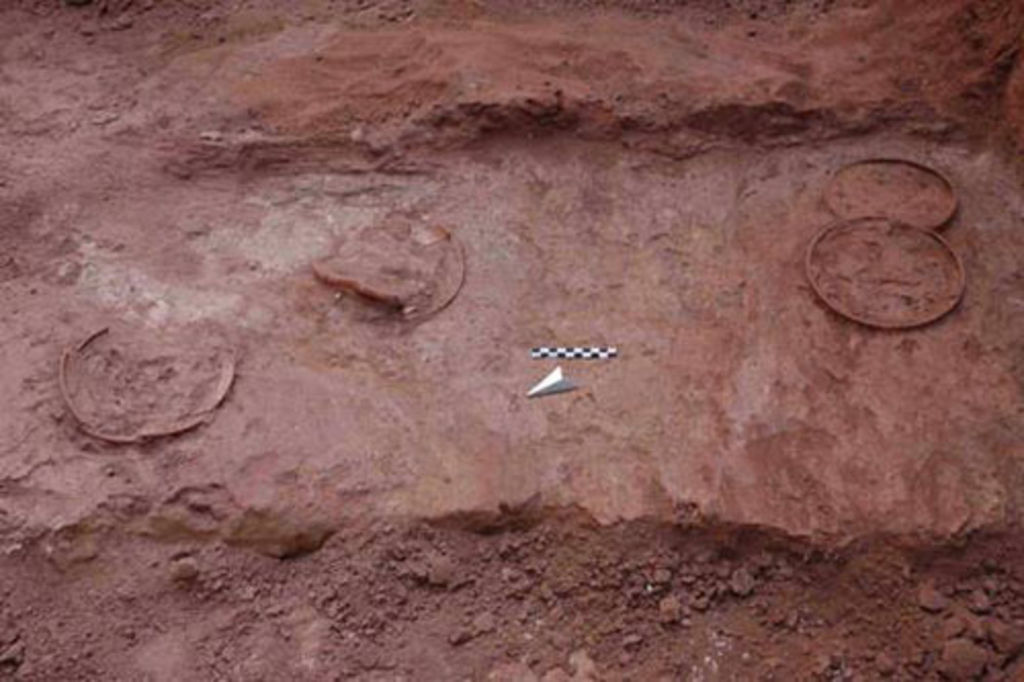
(224, 456)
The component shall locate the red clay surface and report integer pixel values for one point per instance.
(756, 488)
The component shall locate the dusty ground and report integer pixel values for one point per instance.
(754, 489)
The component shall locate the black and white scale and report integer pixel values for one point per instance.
(556, 382)
(574, 352)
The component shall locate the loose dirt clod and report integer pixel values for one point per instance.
(931, 600)
(962, 659)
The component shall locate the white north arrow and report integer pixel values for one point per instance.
(551, 384)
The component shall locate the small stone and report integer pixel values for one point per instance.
(512, 672)
(184, 570)
(962, 587)
(670, 609)
(931, 600)
(483, 623)
(13, 656)
(1015, 672)
(741, 583)
(460, 637)
(793, 620)
(700, 604)
(662, 576)
(105, 118)
(555, 675)
(979, 602)
(962, 659)
(885, 665)
(633, 640)
(1007, 639)
(583, 667)
(560, 640)
(440, 570)
(953, 627)
(976, 628)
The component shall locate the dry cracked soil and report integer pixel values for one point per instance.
(259, 473)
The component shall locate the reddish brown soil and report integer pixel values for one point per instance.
(756, 488)
(557, 599)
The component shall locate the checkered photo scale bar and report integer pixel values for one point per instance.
(577, 353)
